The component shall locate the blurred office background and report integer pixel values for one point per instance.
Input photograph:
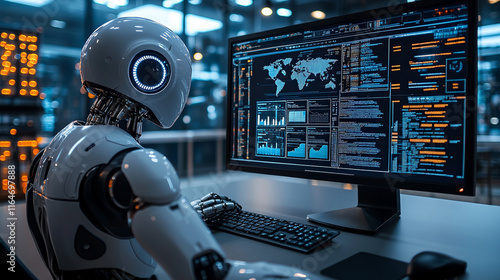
(41, 93)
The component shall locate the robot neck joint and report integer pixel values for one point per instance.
(110, 108)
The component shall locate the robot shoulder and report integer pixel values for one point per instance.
(72, 152)
(151, 176)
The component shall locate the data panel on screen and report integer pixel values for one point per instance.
(384, 95)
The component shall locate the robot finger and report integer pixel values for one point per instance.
(208, 212)
(196, 207)
(210, 196)
(232, 206)
(213, 195)
(195, 202)
(210, 202)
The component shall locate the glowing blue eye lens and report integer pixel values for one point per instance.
(149, 72)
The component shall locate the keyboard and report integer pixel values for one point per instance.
(296, 236)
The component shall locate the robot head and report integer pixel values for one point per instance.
(141, 60)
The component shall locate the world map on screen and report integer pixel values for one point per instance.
(303, 71)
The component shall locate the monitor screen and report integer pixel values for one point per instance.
(385, 97)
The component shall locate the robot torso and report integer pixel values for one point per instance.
(66, 223)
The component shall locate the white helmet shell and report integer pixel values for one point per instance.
(142, 60)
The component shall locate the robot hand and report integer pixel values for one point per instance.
(213, 204)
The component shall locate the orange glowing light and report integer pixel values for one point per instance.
(23, 54)
(2, 44)
(347, 187)
(33, 92)
(22, 46)
(24, 178)
(27, 143)
(6, 64)
(29, 64)
(32, 84)
(12, 82)
(22, 157)
(22, 37)
(33, 56)
(24, 83)
(6, 153)
(6, 91)
(24, 60)
(35, 151)
(13, 69)
(461, 190)
(32, 47)
(4, 57)
(4, 144)
(32, 71)
(24, 70)
(2, 158)
(439, 153)
(12, 36)
(22, 92)
(4, 35)
(437, 161)
(7, 53)
(13, 131)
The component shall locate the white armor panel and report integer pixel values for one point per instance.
(67, 158)
(72, 152)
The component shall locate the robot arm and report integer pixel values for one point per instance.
(165, 224)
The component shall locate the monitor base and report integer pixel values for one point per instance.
(377, 207)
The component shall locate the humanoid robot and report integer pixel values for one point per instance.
(101, 206)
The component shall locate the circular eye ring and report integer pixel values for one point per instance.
(149, 72)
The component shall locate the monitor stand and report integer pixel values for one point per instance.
(377, 207)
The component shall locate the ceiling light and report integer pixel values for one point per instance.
(284, 12)
(197, 56)
(266, 11)
(236, 18)
(318, 15)
(33, 3)
(173, 19)
(57, 23)
(170, 3)
(112, 4)
(244, 3)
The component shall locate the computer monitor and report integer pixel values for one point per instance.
(385, 99)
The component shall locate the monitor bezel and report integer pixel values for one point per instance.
(396, 180)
